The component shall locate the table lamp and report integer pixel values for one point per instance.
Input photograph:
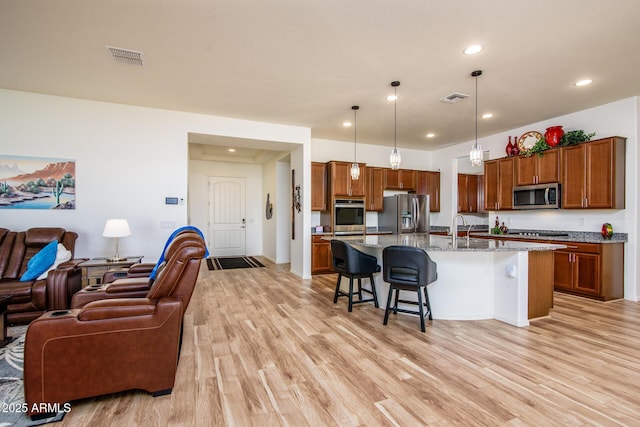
(116, 228)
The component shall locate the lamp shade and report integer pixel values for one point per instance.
(116, 228)
(355, 171)
(475, 155)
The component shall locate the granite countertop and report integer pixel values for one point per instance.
(559, 236)
(430, 242)
(369, 231)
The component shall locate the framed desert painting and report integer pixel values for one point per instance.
(37, 183)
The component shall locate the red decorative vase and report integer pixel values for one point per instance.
(553, 135)
(515, 150)
(509, 147)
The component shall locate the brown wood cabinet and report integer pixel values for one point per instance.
(468, 192)
(593, 174)
(374, 194)
(594, 270)
(318, 186)
(498, 184)
(340, 182)
(538, 170)
(590, 269)
(321, 261)
(400, 179)
(428, 182)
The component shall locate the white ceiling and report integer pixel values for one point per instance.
(305, 63)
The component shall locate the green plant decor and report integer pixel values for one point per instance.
(538, 148)
(575, 137)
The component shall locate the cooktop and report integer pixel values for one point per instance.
(540, 233)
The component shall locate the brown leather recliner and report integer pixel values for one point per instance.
(114, 345)
(32, 298)
(132, 282)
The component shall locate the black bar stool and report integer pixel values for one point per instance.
(406, 268)
(351, 263)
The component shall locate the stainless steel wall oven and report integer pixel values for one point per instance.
(348, 216)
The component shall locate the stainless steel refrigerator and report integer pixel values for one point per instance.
(405, 213)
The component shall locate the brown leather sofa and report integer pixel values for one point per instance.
(114, 345)
(32, 298)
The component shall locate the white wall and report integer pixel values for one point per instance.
(199, 173)
(269, 226)
(618, 118)
(282, 212)
(301, 243)
(276, 234)
(128, 159)
(324, 150)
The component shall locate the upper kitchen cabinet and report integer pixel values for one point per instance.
(498, 184)
(340, 182)
(374, 194)
(428, 182)
(318, 186)
(468, 193)
(400, 179)
(538, 170)
(593, 174)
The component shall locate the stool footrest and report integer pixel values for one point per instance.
(404, 301)
(403, 310)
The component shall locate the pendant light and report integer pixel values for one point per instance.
(395, 158)
(476, 150)
(355, 168)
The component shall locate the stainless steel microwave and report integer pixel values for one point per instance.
(539, 196)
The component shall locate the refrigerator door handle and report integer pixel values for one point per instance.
(416, 215)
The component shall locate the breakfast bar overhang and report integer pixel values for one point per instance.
(477, 278)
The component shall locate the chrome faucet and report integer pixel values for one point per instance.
(454, 229)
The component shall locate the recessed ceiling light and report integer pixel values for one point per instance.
(487, 115)
(584, 82)
(346, 124)
(431, 135)
(473, 49)
(231, 150)
(391, 98)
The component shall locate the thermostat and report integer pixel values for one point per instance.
(171, 200)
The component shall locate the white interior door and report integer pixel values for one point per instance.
(227, 232)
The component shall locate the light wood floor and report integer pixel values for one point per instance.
(262, 347)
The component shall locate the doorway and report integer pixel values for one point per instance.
(227, 218)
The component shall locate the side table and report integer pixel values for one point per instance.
(95, 268)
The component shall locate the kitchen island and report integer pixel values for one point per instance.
(509, 281)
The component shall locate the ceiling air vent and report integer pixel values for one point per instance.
(126, 56)
(454, 97)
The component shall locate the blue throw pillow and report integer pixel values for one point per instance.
(40, 262)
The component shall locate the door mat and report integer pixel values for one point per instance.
(228, 263)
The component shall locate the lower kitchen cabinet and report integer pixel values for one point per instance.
(594, 270)
(321, 260)
(590, 269)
